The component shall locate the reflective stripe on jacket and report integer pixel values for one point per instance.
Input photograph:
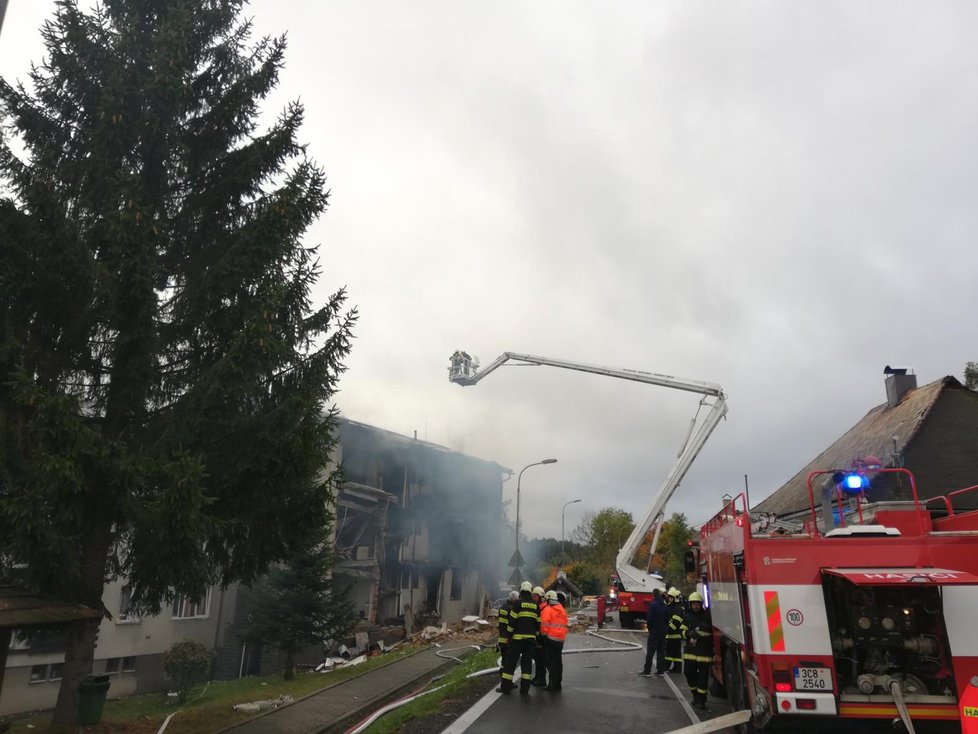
(524, 618)
(504, 629)
(698, 630)
(675, 622)
(553, 622)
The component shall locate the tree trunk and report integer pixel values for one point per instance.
(78, 662)
(80, 650)
(289, 672)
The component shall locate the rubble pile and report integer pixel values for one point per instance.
(255, 706)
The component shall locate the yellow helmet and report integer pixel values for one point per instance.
(674, 593)
(695, 596)
(526, 586)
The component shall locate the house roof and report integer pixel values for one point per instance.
(20, 608)
(883, 432)
(562, 583)
(407, 442)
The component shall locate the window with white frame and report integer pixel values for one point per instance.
(185, 607)
(120, 665)
(45, 672)
(127, 615)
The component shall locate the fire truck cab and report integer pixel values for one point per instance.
(871, 616)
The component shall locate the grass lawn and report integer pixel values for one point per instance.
(207, 710)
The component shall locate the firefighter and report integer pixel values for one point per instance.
(674, 634)
(553, 628)
(540, 655)
(697, 628)
(524, 620)
(505, 628)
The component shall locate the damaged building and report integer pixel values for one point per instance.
(417, 526)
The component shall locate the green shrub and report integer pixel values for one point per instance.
(186, 664)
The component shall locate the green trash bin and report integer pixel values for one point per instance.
(91, 699)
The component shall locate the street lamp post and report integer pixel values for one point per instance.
(562, 556)
(517, 561)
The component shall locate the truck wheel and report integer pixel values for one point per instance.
(627, 620)
(733, 679)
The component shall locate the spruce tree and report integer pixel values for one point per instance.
(296, 606)
(165, 377)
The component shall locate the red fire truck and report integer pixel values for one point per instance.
(870, 613)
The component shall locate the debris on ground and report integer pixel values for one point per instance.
(331, 664)
(255, 706)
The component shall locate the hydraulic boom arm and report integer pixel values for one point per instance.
(464, 370)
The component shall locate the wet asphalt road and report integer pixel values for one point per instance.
(602, 693)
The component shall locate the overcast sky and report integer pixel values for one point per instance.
(776, 197)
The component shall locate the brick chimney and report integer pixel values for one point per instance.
(898, 384)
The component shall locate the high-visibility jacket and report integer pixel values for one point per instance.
(524, 618)
(553, 622)
(697, 627)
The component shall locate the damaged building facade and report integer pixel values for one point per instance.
(417, 526)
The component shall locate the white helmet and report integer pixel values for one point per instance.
(551, 595)
(538, 590)
(526, 586)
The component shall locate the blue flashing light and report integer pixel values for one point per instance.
(854, 482)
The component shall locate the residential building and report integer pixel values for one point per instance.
(416, 524)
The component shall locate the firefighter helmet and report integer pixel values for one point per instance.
(551, 595)
(538, 590)
(526, 586)
(674, 593)
(695, 596)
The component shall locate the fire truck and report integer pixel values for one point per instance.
(632, 588)
(869, 613)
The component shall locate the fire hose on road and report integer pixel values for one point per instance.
(698, 727)
(394, 705)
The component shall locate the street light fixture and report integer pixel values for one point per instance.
(562, 557)
(517, 561)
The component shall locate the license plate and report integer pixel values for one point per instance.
(623, 608)
(813, 679)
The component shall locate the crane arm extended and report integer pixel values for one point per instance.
(464, 370)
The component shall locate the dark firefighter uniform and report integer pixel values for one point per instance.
(697, 628)
(540, 656)
(505, 630)
(524, 620)
(674, 633)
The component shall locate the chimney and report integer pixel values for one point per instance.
(898, 384)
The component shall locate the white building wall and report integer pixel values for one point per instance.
(137, 645)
